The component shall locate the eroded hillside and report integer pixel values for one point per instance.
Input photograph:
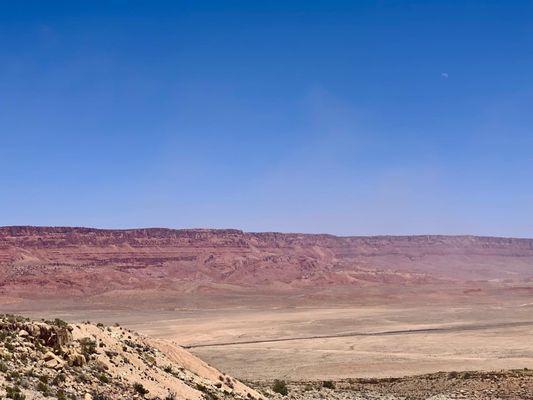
(83, 261)
(53, 359)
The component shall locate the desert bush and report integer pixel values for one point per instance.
(201, 388)
(59, 378)
(88, 347)
(100, 396)
(328, 384)
(13, 376)
(280, 387)
(103, 378)
(467, 375)
(139, 388)
(82, 378)
(60, 323)
(43, 388)
(3, 367)
(60, 395)
(14, 393)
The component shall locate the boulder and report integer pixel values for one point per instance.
(54, 336)
(52, 361)
(76, 360)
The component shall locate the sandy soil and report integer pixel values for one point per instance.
(362, 341)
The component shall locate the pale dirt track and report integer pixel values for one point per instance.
(461, 328)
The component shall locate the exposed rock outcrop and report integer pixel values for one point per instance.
(84, 361)
(83, 261)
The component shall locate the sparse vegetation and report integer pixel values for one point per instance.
(45, 360)
(14, 393)
(60, 323)
(43, 388)
(88, 347)
(280, 387)
(3, 367)
(140, 389)
(328, 384)
(103, 378)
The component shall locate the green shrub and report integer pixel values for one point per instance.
(43, 388)
(103, 378)
(13, 376)
(59, 378)
(60, 323)
(201, 388)
(280, 387)
(3, 367)
(14, 393)
(139, 388)
(88, 347)
(328, 384)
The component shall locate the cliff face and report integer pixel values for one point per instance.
(88, 261)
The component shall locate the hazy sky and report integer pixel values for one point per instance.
(346, 117)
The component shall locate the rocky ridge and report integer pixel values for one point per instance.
(53, 359)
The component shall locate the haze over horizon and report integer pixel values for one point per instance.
(348, 118)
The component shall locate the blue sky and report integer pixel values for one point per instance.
(345, 117)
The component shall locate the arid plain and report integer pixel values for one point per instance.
(297, 308)
(302, 343)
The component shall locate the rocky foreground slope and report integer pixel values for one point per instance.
(84, 261)
(54, 359)
(468, 385)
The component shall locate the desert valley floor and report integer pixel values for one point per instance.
(345, 341)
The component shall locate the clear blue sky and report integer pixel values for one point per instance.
(346, 117)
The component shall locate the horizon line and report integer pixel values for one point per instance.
(199, 229)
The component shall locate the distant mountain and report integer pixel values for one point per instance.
(66, 261)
